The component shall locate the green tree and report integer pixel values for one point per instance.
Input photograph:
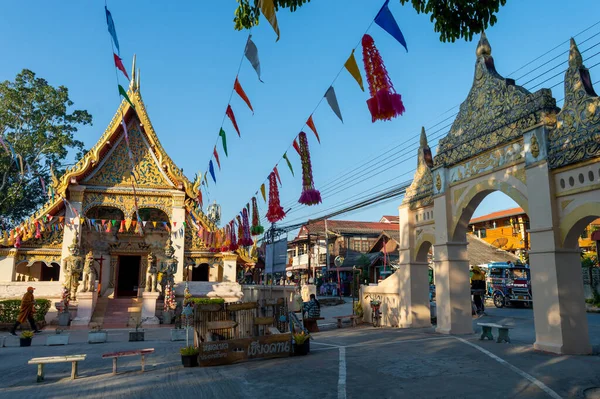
(453, 19)
(37, 127)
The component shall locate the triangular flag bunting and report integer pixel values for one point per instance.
(224, 140)
(154, 224)
(352, 67)
(238, 89)
(211, 169)
(216, 154)
(277, 174)
(311, 124)
(231, 116)
(296, 147)
(262, 191)
(333, 103)
(268, 9)
(289, 164)
(385, 19)
(251, 53)
(111, 29)
(125, 96)
(120, 66)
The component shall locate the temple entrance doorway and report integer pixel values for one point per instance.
(128, 272)
(200, 272)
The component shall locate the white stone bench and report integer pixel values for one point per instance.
(40, 361)
(502, 331)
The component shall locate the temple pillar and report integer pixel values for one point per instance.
(412, 277)
(559, 311)
(72, 213)
(229, 268)
(452, 289)
(178, 238)
(8, 265)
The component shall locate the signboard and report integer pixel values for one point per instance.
(276, 257)
(216, 353)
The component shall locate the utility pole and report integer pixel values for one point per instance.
(309, 255)
(326, 249)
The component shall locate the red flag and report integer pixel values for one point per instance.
(119, 65)
(216, 154)
(229, 113)
(238, 89)
(312, 127)
(296, 147)
(277, 174)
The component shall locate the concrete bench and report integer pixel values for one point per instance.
(40, 361)
(351, 317)
(310, 323)
(502, 332)
(116, 355)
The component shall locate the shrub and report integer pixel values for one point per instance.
(300, 338)
(27, 334)
(189, 350)
(9, 309)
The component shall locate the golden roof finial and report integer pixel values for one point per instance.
(483, 47)
(137, 83)
(133, 83)
(575, 59)
(423, 137)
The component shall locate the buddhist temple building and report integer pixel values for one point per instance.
(126, 218)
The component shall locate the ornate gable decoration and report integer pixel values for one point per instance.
(577, 134)
(496, 111)
(420, 192)
(115, 170)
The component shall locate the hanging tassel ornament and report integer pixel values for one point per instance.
(310, 195)
(276, 212)
(246, 225)
(256, 229)
(384, 103)
(240, 231)
(38, 233)
(234, 244)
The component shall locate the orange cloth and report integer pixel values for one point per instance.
(26, 307)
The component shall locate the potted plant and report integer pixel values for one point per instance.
(58, 339)
(137, 335)
(97, 335)
(301, 344)
(189, 356)
(26, 337)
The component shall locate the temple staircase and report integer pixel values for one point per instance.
(117, 312)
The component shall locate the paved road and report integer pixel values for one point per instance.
(347, 363)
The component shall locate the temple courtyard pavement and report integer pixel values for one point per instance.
(360, 362)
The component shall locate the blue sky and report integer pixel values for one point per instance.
(189, 55)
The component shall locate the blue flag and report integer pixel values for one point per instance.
(211, 169)
(385, 19)
(111, 29)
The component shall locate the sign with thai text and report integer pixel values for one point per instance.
(217, 353)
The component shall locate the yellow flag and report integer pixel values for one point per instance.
(262, 191)
(268, 9)
(352, 67)
(127, 224)
(154, 224)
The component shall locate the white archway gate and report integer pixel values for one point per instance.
(506, 139)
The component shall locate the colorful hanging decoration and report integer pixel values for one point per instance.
(111, 29)
(268, 10)
(275, 212)
(251, 53)
(262, 191)
(310, 195)
(229, 113)
(216, 154)
(38, 233)
(238, 89)
(234, 244)
(240, 229)
(311, 124)
(277, 174)
(296, 147)
(385, 19)
(333, 102)
(384, 103)
(246, 226)
(211, 169)
(256, 228)
(123, 93)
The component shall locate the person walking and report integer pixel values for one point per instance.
(26, 312)
(478, 287)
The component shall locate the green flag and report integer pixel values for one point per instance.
(222, 134)
(288, 163)
(125, 96)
